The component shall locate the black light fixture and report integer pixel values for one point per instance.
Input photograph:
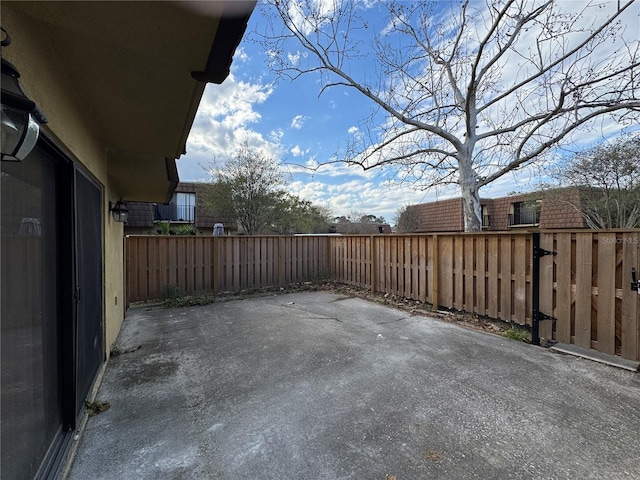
(20, 116)
(119, 211)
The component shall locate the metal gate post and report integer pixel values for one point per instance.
(536, 314)
(535, 297)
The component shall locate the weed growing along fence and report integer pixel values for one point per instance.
(585, 288)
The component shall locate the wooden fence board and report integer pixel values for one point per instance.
(468, 268)
(564, 300)
(416, 268)
(506, 267)
(388, 260)
(493, 296)
(375, 263)
(287, 260)
(147, 272)
(582, 333)
(445, 272)
(358, 278)
(423, 278)
(394, 265)
(408, 289)
(458, 272)
(481, 275)
(172, 266)
(433, 260)
(520, 262)
(630, 323)
(606, 297)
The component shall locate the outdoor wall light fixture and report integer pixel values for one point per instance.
(20, 116)
(119, 211)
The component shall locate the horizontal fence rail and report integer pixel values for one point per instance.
(584, 290)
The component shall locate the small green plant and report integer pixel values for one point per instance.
(185, 229)
(163, 228)
(516, 334)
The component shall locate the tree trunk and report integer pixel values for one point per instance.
(471, 208)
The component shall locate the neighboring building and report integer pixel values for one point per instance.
(531, 211)
(359, 228)
(119, 83)
(186, 207)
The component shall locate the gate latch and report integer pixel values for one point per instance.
(635, 285)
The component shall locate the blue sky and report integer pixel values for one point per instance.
(289, 121)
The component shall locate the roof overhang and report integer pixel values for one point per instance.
(139, 70)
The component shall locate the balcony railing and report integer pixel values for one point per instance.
(524, 218)
(174, 213)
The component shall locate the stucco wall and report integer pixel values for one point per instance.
(68, 123)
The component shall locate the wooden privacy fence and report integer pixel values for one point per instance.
(217, 264)
(581, 294)
(487, 274)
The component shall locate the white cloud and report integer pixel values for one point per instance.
(298, 121)
(294, 58)
(303, 14)
(276, 135)
(392, 25)
(353, 130)
(297, 151)
(240, 55)
(223, 122)
(356, 195)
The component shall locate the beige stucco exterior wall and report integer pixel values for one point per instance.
(47, 84)
(114, 292)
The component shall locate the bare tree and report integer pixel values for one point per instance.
(464, 93)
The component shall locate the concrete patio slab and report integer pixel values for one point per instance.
(596, 356)
(321, 386)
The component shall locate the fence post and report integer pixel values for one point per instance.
(374, 264)
(329, 257)
(281, 260)
(435, 294)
